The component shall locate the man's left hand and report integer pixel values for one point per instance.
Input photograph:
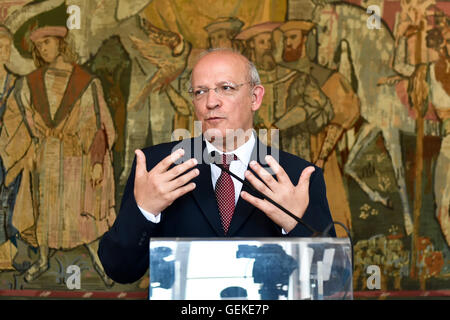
(293, 198)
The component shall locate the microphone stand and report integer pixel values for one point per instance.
(315, 232)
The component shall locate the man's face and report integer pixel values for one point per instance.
(262, 44)
(48, 48)
(5, 49)
(219, 39)
(220, 113)
(293, 45)
(262, 48)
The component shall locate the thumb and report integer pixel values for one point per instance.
(303, 181)
(141, 165)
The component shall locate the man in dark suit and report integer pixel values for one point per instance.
(174, 191)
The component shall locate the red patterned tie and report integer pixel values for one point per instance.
(225, 193)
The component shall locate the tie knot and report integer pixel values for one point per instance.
(227, 158)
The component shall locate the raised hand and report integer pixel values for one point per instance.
(293, 198)
(156, 189)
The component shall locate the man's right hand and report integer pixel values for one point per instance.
(156, 189)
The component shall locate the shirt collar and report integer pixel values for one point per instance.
(243, 153)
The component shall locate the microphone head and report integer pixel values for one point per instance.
(212, 157)
(215, 158)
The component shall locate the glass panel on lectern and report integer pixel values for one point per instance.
(256, 269)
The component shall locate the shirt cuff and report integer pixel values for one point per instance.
(150, 216)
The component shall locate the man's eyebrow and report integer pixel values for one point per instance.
(216, 83)
(226, 82)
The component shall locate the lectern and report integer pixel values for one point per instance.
(255, 269)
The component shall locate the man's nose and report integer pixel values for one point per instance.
(212, 99)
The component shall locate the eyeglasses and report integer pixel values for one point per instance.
(227, 89)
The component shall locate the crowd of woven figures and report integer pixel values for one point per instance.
(321, 78)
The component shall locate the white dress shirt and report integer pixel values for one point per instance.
(238, 167)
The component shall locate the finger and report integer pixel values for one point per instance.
(181, 168)
(182, 191)
(261, 204)
(278, 170)
(182, 180)
(303, 181)
(258, 184)
(141, 166)
(264, 175)
(165, 163)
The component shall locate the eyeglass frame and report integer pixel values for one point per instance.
(237, 86)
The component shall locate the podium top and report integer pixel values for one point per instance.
(264, 268)
(343, 241)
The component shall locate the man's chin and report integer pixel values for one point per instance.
(211, 132)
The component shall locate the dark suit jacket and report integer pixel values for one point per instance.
(124, 249)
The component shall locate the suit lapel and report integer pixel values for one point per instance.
(243, 208)
(204, 193)
(241, 213)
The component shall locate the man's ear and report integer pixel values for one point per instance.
(254, 96)
(257, 96)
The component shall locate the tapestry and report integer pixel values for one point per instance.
(379, 70)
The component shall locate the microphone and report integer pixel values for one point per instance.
(244, 182)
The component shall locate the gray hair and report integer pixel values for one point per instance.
(253, 75)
